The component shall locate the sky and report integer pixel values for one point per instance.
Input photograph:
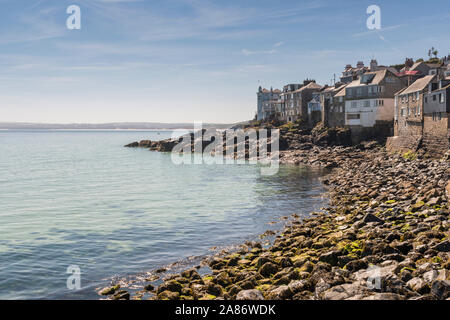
(192, 60)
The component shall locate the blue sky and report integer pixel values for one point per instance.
(191, 60)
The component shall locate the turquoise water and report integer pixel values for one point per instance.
(81, 198)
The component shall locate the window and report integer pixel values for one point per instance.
(354, 104)
(353, 116)
(426, 99)
(441, 98)
(402, 112)
(434, 97)
(367, 103)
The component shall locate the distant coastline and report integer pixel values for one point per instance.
(107, 126)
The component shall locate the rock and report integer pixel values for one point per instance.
(149, 287)
(268, 269)
(214, 289)
(330, 257)
(441, 289)
(191, 274)
(223, 279)
(369, 217)
(132, 145)
(168, 295)
(252, 294)
(171, 285)
(447, 189)
(384, 296)
(122, 295)
(404, 247)
(418, 285)
(444, 246)
(321, 287)
(344, 291)
(299, 286)
(109, 290)
(280, 293)
(356, 265)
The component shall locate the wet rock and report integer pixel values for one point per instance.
(132, 145)
(122, 295)
(149, 287)
(168, 295)
(109, 290)
(172, 286)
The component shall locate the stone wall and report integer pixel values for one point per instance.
(403, 144)
(380, 131)
(436, 135)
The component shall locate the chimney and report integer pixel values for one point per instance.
(373, 65)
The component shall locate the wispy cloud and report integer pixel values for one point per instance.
(375, 31)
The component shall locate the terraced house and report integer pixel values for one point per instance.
(369, 104)
(333, 105)
(297, 107)
(436, 126)
(409, 113)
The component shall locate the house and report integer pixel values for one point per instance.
(413, 71)
(409, 106)
(333, 106)
(296, 107)
(409, 114)
(350, 73)
(314, 109)
(265, 102)
(436, 125)
(287, 98)
(332, 109)
(369, 104)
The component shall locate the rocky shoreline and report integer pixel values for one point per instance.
(385, 235)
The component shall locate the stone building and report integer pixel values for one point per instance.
(266, 102)
(409, 113)
(335, 117)
(352, 73)
(333, 105)
(369, 104)
(436, 126)
(287, 98)
(314, 110)
(297, 106)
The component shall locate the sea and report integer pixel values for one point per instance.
(78, 203)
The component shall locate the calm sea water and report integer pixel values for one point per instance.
(81, 198)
